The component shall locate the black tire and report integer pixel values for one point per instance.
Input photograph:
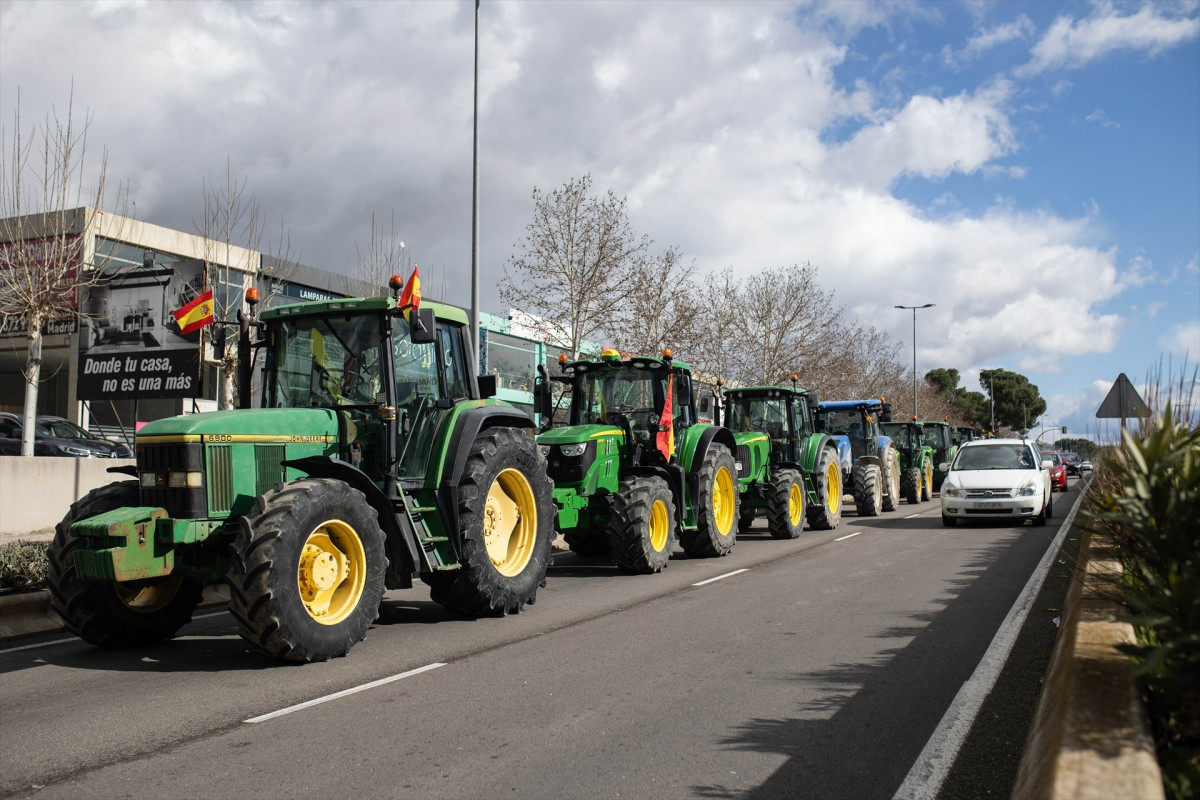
(891, 493)
(910, 484)
(641, 529)
(504, 464)
(717, 506)
(927, 479)
(307, 570)
(826, 513)
(746, 517)
(587, 543)
(1050, 506)
(110, 613)
(868, 489)
(785, 505)
(949, 522)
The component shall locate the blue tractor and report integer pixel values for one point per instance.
(869, 461)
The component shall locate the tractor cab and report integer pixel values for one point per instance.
(856, 420)
(785, 415)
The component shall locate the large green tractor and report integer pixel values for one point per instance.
(634, 470)
(870, 465)
(790, 470)
(940, 437)
(374, 457)
(916, 460)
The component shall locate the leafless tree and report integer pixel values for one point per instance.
(660, 307)
(572, 267)
(383, 256)
(45, 212)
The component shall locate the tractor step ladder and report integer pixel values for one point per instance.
(431, 556)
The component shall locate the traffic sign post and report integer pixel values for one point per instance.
(1122, 401)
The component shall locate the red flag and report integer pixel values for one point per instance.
(196, 314)
(411, 296)
(666, 423)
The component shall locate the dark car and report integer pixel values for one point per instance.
(56, 436)
(1058, 473)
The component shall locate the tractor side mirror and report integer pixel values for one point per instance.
(541, 392)
(424, 326)
(685, 392)
(487, 385)
(886, 414)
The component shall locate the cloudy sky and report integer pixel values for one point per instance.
(1031, 168)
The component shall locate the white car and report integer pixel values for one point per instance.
(997, 479)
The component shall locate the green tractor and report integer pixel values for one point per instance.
(634, 470)
(374, 457)
(940, 437)
(916, 460)
(791, 471)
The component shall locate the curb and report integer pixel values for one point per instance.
(1090, 739)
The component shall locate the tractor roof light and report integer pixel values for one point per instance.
(252, 296)
(667, 353)
(562, 358)
(610, 354)
(396, 284)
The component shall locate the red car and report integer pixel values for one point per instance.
(1058, 473)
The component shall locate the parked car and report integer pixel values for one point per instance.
(55, 436)
(997, 479)
(1058, 473)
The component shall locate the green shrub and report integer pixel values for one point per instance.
(1149, 502)
(22, 566)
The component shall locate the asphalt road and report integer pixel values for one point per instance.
(819, 671)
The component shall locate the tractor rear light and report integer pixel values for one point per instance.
(181, 480)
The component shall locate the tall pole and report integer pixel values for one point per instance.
(475, 211)
(914, 310)
(992, 398)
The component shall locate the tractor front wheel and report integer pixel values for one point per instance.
(891, 497)
(641, 530)
(910, 485)
(827, 481)
(111, 613)
(307, 570)
(717, 507)
(506, 521)
(868, 489)
(785, 505)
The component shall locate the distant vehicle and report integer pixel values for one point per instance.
(55, 436)
(997, 479)
(1058, 473)
(1085, 466)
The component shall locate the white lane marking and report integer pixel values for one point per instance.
(343, 693)
(719, 577)
(910, 516)
(75, 639)
(847, 536)
(928, 773)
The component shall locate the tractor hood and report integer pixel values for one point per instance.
(578, 433)
(277, 424)
(749, 437)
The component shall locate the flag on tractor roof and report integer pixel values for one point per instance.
(196, 314)
(411, 296)
(666, 423)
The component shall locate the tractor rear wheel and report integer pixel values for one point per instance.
(910, 485)
(868, 489)
(891, 496)
(506, 523)
(785, 505)
(587, 543)
(641, 529)
(110, 613)
(927, 480)
(307, 570)
(717, 506)
(827, 481)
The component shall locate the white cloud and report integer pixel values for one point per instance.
(1072, 44)
(1100, 117)
(985, 40)
(1182, 340)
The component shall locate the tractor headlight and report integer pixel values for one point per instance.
(148, 480)
(544, 449)
(1027, 490)
(185, 480)
(573, 450)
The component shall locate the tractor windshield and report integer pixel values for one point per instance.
(758, 414)
(841, 423)
(905, 436)
(326, 361)
(934, 436)
(617, 393)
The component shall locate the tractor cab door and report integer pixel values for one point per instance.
(428, 378)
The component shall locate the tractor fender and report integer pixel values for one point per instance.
(813, 446)
(401, 540)
(713, 433)
(467, 426)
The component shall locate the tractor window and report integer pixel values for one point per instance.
(760, 415)
(450, 341)
(417, 393)
(932, 437)
(680, 413)
(843, 423)
(326, 361)
(619, 394)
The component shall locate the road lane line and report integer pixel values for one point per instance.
(910, 516)
(928, 773)
(847, 536)
(719, 577)
(343, 693)
(39, 644)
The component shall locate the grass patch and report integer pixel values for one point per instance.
(22, 566)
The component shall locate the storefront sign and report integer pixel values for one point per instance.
(126, 376)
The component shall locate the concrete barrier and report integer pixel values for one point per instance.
(35, 492)
(1090, 739)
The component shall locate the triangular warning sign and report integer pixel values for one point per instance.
(1123, 401)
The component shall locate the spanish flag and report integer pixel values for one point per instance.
(196, 314)
(666, 423)
(411, 296)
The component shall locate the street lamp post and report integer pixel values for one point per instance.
(914, 310)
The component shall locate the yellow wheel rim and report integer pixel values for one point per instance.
(658, 526)
(833, 488)
(332, 572)
(929, 477)
(722, 501)
(510, 522)
(795, 504)
(147, 598)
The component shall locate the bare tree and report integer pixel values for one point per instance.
(572, 268)
(660, 308)
(383, 257)
(45, 213)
